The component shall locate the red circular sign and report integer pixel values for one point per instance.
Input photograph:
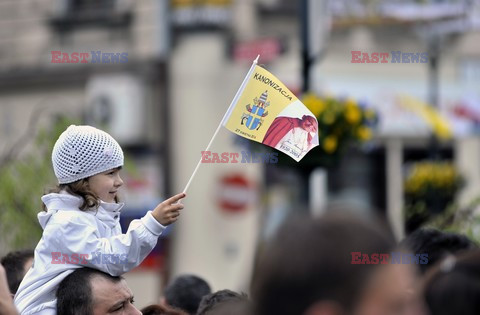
(235, 193)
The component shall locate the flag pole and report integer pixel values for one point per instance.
(227, 114)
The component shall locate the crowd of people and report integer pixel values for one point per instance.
(337, 264)
(307, 268)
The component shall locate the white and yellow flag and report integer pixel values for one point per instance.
(264, 110)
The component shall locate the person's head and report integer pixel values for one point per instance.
(185, 292)
(436, 244)
(309, 123)
(307, 269)
(86, 162)
(158, 309)
(6, 302)
(16, 265)
(224, 302)
(91, 292)
(393, 289)
(453, 285)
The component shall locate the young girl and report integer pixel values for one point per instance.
(81, 222)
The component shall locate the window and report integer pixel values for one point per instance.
(78, 13)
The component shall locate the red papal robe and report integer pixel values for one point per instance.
(280, 127)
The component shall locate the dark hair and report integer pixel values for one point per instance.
(185, 292)
(157, 309)
(453, 286)
(310, 259)
(74, 294)
(14, 264)
(80, 188)
(436, 244)
(222, 302)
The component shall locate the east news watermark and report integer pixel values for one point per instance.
(98, 57)
(389, 57)
(359, 258)
(96, 258)
(242, 157)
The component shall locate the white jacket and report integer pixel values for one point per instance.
(67, 230)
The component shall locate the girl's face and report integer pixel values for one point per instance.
(105, 185)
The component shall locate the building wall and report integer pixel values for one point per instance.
(213, 244)
(31, 87)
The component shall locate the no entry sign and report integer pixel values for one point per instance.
(235, 193)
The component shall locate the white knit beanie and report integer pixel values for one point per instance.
(84, 151)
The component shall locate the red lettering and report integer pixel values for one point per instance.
(384, 57)
(374, 58)
(375, 260)
(65, 58)
(65, 259)
(84, 258)
(84, 57)
(225, 157)
(365, 58)
(384, 258)
(233, 156)
(205, 155)
(74, 259)
(215, 158)
(355, 258)
(55, 56)
(355, 56)
(55, 259)
(365, 259)
(75, 58)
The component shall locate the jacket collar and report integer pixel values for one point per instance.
(108, 213)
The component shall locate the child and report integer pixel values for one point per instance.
(81, 225)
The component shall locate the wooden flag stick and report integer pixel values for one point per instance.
(227, 114)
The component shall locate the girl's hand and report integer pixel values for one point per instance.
(168, 211)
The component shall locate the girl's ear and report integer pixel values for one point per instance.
(325, 308)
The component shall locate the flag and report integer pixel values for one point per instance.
(266, 111)
(439, 124)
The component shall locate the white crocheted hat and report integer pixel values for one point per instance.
(84, 151)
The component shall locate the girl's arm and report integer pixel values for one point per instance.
(77, 242)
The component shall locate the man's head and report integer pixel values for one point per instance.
(16, 265)
(89, 291)
(436, 244)
(224, 302)
(309, 123)
(185, 292)
(158, 309)
(307, 269)
(453, 286)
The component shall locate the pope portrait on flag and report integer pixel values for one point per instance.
(292, 134)
(266, 111)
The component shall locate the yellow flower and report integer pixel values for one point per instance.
(315, 104)
(328, 118)
(364, 133)
(428, 175)
(308, 98)
(350, 103)
(352, 115)
(330, 144)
